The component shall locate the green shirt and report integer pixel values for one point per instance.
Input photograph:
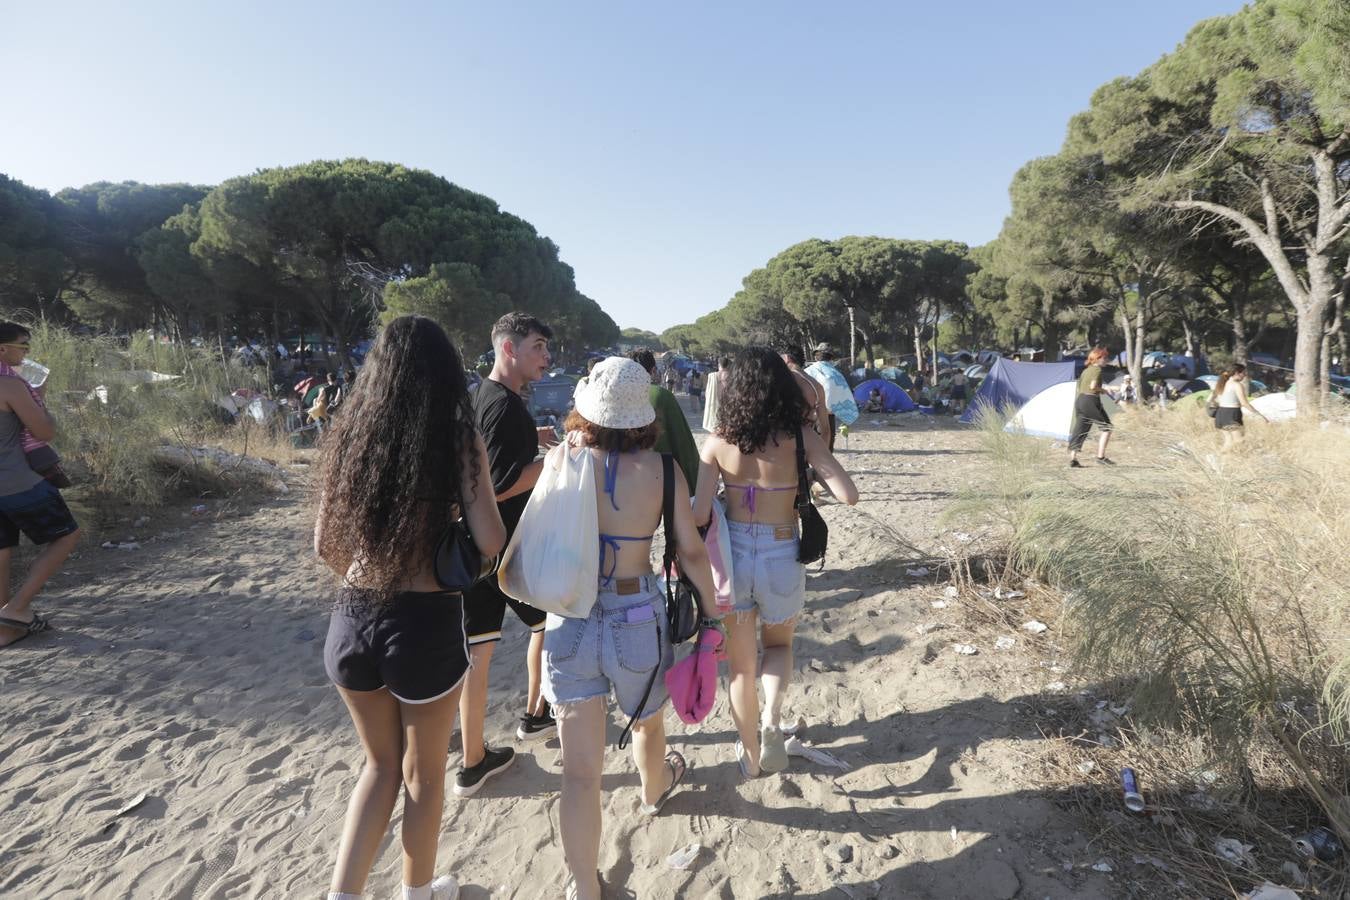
(1090, 382)
(676, 438)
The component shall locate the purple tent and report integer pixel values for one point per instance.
(1010, 384)
(893, 399)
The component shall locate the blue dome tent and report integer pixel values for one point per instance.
(1009, 385)
(893, 399)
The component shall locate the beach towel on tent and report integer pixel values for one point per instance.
(838, 397)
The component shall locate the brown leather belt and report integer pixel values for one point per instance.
(784, 533)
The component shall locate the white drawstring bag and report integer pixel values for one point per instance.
(553, 560)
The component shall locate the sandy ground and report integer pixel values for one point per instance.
(176, 736)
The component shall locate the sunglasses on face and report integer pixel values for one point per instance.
(20, 346)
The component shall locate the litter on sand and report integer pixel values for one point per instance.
(1001, 594)
(1005, 643)
(1270, 891)
(1035, 627)
(684, 857)
(1102, 865)
(965, 649)
(963, 537)
(795, 746)
(120, 545)
(939, 604)
(920, 572)
(950, 592)
(1234, 851)
(1056, 687)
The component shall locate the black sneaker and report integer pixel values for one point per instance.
(1103, 461)
(1075, 464)
(468, 781)
(537, 728)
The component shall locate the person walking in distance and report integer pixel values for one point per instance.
(675, 437)
(520, 342)
(1230, 395)
(29, 503)
(1088, 410)
(754, 452)
(404, 463)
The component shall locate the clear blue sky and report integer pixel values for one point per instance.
(668, 149)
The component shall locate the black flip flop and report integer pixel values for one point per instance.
(36, 626)
(678, 769)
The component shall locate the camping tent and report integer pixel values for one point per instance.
(1010, 385)
(987, 357)
(1050, 413)
(1277, 407)
(899, 376)
(976, 371)
(893, 398)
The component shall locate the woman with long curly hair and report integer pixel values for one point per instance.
(399, 466)
(753, 451)
(621, 647)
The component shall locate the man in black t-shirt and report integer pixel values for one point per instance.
(521, 345)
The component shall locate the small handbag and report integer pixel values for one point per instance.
(459, 564)
(1212, 407)
(815, 533)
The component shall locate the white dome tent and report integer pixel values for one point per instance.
(1049, 414)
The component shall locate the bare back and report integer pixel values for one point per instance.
(772, 470)
(637, 493)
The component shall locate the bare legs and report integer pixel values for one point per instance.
(534, 667)
(1101, 444)
(405, 746)
(777, 669)
(581, 729)
(20, 606)
(473, 703)
(743, 661)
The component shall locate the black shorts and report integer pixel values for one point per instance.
(1228, 417)
(38, 512)
(414, 645)
(1087, 411)
(485, 611)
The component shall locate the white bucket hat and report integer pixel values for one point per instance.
(617, 395)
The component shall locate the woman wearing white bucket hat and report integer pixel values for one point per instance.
(621, 647)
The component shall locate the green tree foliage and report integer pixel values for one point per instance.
(34, 260)
(639, 337)
(1246, 128)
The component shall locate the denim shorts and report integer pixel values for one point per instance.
(765, 571)
(617, 646)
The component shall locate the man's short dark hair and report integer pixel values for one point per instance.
(723, 362)
(517, 326)
(825, 355)
(795, 354)
(644, 358)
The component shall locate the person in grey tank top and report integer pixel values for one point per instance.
(28, 503)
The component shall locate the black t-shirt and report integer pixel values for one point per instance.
(512, 443)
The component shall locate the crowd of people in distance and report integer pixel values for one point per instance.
(415, 453)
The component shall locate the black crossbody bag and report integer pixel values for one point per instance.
(682, 598)
(815, 533)
(458, 564)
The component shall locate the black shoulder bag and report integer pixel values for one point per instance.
(682, 598)
(815, 533)
(458, 564)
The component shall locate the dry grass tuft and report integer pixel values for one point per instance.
(1211, 591)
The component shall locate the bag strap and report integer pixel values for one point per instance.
(803, 490)
(668, 513)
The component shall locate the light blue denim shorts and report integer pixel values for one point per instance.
(765, 571)
(616, 647)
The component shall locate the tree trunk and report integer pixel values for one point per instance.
(918, 347)
(937, 316)
(852, 340)
(867, 350)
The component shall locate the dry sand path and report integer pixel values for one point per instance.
(187, 675)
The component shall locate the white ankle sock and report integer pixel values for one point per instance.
(339, 895)
(417, 893)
